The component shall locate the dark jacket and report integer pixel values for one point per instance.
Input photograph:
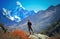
(29, 24)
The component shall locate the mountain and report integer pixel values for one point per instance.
(21, 13)
(51, 8)
(13, 16)
(4, 20)
(41, 19)
(17, 13)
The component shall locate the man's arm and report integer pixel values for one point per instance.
(30, 23)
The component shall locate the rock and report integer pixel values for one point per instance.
(38, 36)
(33, 37)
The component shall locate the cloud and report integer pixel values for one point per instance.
(18, 3)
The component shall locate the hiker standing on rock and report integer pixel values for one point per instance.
(29, 26)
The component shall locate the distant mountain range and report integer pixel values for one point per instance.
(40, 20)
(13, 16)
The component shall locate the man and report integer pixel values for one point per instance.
(29, 26)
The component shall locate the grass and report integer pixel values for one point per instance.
(8, 36)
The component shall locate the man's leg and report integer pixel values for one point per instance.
(32, 30)
(29, 31)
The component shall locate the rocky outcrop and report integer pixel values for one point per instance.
(38, 36)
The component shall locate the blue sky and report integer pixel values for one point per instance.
(29, 4)
(35, 5)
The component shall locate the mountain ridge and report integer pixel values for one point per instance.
(38, 19)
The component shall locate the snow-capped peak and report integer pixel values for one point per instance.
(19, 4)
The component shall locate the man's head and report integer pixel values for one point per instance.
(28, 20)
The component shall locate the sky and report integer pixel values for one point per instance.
(35, 5)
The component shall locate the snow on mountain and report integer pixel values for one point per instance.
(17, 14)
(13, 16)
(40, 20)
(4, 20)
